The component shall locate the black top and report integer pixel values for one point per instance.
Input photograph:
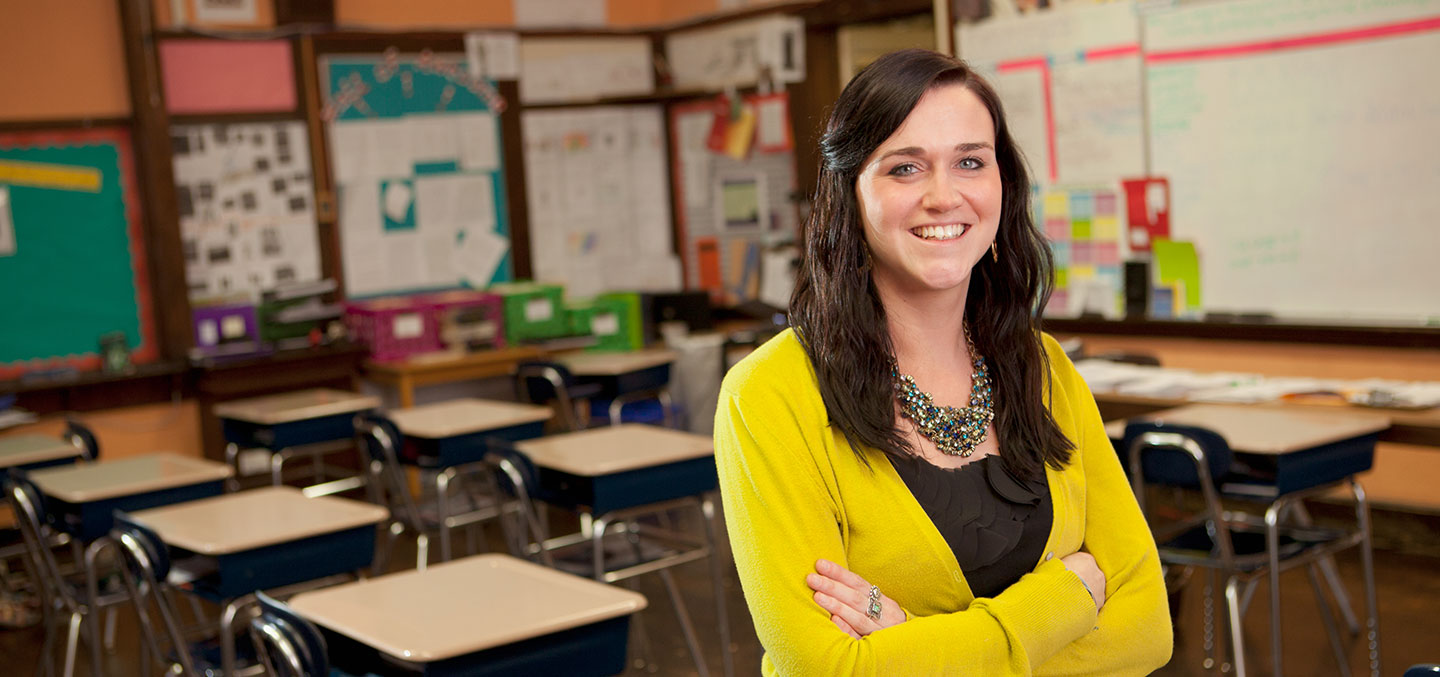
(997, 524)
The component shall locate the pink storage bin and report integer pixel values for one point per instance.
(468, 319)
(394, 327)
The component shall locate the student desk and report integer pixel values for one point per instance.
(437, 368)
(1286, 450)
(82, 500)
(1288, 454)
(449, 437)
(622, 373)
(263, 539)
(616, 473)
(1407, 426)
(310, 423)
(482, 615)
(35, 451)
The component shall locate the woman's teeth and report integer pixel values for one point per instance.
(939, 232)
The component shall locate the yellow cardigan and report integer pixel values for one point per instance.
(794, 492)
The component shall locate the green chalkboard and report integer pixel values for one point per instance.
(71, 263)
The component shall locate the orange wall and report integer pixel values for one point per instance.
(131, 431)
(62, 60)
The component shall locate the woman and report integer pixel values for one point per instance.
(875, 530)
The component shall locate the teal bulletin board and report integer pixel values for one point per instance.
(72, 260)
(414, 144)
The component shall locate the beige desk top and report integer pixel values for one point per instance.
(254, 519)
(617, 363)
(612, 449)
(297, 406)
(464, 606)
(1257, 430)
(25, 449)
(124, 477)
(464, 416)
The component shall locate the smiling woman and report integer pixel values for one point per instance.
(915, 478)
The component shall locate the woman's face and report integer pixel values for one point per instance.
(930, 194)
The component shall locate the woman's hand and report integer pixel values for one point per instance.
(1084, 566)
(847, 597)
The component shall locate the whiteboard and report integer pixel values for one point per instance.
(1302, 143)
(1071, 84)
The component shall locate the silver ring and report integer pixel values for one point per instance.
(874, 610)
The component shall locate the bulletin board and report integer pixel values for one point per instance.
(733, 206)
(596, 182)
(245, 196)
(71, 250)
(414, 145)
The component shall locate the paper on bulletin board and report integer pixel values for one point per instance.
(1176, 261)
(493, 54)
(245, 199)
(7, 224)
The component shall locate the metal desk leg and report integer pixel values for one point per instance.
(232, 459)
(1332, 574)
(1341, 659)
(717, 577)
(442, 508)
(1272, 552)
(1367, 562)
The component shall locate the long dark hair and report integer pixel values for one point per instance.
(837, 313)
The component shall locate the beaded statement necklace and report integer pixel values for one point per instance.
(956, 431)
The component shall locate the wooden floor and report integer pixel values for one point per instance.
(1409, 592)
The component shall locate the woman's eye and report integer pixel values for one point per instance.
(906, 169)
(972, 163)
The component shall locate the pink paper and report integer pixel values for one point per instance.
(223, 76)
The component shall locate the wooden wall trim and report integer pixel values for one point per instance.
(155, 167)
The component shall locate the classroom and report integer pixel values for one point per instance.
(359, 337)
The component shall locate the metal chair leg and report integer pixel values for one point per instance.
(1332, 575)
(1326, 617)
(72, 644)
(1272, 552)
(1237, 635)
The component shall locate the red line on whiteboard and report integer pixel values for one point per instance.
(1043, 65)
(1331, 38)
(1113, 52)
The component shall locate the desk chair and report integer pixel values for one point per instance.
(651, 548)
(552, 384)
(83, 438)
(288, 645)
(61, 599)
(382, 442)
(1240, 548)
(1423, 670)
(148, 575)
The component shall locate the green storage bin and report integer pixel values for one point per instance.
(533, 311)
(634, 323)
(612, 321)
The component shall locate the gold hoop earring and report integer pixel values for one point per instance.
(994, 252)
